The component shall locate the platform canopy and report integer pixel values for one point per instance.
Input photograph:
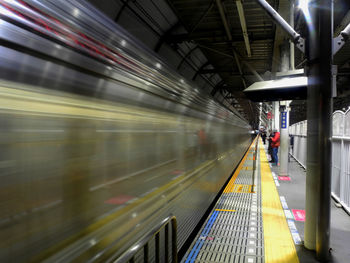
(288, 88)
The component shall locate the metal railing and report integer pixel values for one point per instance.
(255, 155)
(340, 154)
(143, 243)
(298, 149)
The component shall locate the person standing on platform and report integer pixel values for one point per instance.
(269, 149)
(275, 143)
(263, 136)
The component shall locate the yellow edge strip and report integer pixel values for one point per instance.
(230, 185)
(278, 241)
(225, 210)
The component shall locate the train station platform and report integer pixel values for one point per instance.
(260, 218)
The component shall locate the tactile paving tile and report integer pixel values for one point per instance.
(235, 233)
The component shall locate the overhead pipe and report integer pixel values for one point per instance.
(291, 21)
(346, 32)
(340, 40)
(295, 36)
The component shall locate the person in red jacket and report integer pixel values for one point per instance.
(275, 143)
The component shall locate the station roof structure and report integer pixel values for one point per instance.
(226, 45)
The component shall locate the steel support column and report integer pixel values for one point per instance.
(325, 106)
(319, 110)
(312, 161)
(287, 59)
(284, 115)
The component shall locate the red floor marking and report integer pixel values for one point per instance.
(299, 215)
(119, 200)
(284, 178)
(177, 172)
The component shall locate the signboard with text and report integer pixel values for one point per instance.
(284, 120)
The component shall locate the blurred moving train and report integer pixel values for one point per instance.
(99, 137)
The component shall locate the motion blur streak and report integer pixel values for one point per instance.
(99, 141)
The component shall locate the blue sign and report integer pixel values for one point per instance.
(284, 120)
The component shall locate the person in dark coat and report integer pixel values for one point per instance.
(263, 136)
(269, 149)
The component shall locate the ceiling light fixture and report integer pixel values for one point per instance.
(304, 5)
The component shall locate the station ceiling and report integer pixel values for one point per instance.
(238, 58)
(225, 44)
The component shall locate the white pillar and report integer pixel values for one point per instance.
(283, 171)
(276, 113)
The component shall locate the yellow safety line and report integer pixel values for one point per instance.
(230, 185)
(278, 241)
(225, 210)
(242, 188)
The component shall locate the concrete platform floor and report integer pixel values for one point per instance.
(294, 193)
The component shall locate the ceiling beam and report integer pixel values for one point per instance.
(217, 87)
(243, 26)
(210, 7)
(201, 68)
(186, 56)
(214, 70)
(116, 19)
(229, 36)
(224, 70)
(137, 15)
(163, 38)
(209, 37)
